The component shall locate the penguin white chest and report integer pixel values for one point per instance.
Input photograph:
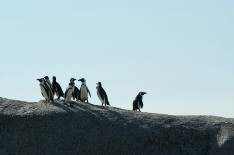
(69, 95)
(43, 91)
(57, 93)
(83, 92)
(138, 104)
(99, 96)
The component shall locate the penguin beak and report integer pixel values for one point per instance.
(79, 80)
(38, 79)
(144, 93)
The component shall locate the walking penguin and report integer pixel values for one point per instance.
(102, 94)
(138, 103)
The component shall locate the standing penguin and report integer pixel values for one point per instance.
(84, 91)
(76, 93)
(68, 93)
(48, 84)
(45, 90)
(138, 103)
(57, 88)
(102, 94)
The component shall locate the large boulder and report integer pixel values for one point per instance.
(54, 128)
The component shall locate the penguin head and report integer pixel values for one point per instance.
(41, 80)
(72, 80)
(82, 80)
(70, 85)
(142, 93)
(46, 77)
(54, 78)
(99, 84)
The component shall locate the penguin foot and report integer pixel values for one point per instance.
(64, 103)
(69, 104)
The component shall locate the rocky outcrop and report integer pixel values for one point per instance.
(54, 128)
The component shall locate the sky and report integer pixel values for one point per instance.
(180, 52)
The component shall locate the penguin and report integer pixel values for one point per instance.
(138, 103)
(76, 93)
(102, 94)
(57, 88)
(48, 84)
(84, 91)
(45, 90)
(68, 93)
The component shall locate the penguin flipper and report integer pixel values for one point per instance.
(76, 93)
(65, 94)
(101, 94)
(141, 103)
(59, 89)
(105, 96)
(53, 88)
(73, 96)
(89, 92)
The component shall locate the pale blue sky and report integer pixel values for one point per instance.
(180, 52)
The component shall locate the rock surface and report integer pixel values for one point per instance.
(54, 128)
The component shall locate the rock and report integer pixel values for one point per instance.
(54, 128)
